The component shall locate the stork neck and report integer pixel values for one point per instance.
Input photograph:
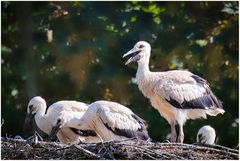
(41, 119)
(41, 110)
(143, 69)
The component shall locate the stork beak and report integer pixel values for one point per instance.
(54, 130)
(27, 121)
(132, 53)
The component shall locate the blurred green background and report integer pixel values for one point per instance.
(73, 50)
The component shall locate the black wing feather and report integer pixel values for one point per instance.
(206, 101)
(84, 132)
(141, 133)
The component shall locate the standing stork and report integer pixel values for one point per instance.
(111, 121)
(45, 119)
(206, 135)
(178, 95)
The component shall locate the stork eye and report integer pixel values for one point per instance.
(30, 107)
(141, 46)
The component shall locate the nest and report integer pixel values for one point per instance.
(127, 149)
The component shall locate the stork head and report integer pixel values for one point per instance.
(36, 104)
(206, 135)
(140, 52)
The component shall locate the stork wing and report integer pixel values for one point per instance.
(186, 91)
(71, 106)
(77, 106)
(124, 123)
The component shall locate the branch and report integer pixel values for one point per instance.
(127, 149)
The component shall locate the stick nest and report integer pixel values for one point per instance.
(128, 149)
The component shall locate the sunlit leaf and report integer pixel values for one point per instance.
(231, 8)
(134, 2)
(111, 28)
(157, 20)
(137, 7)
(104, 18)
(154, 9)
(182, 4)
(5, 49)
(107, 94)
(76, 4)
(201, 42)
(133, 19)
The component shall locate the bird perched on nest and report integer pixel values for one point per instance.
(111, 121)
(178, 95)
(45, 119)
(206, 135)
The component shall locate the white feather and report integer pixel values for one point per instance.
(206, 135)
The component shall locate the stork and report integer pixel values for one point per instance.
(206, 135)
(178, 95)
(45, 120)
(111, 121)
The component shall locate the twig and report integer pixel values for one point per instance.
(148, 150)
(39, 136)
(87, 152)
(180, 145)
(127, 149)
(217, 147)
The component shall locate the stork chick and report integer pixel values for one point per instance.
(111, 121)
(45, 120)
(178, 95)
(206, 135)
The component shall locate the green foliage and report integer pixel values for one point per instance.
(201, 43)
(154, 9)
(84, 59)
(5, 49)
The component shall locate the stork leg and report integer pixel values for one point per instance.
(180, 134)
(173, 132)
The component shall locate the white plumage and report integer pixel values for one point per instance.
(206, 135)
(178, 95)
(45, 120)
(111, 121)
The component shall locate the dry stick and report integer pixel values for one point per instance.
(29, 148)
(190, 147)
(38, 135)
(26, 143)
(23, 143)
(109, 143)
(63, 148)
(217, 147)
(136, 146)
(167, 156)
(149, 156)
(179, 145)
(162, 154)
(206, 148)
(155, 154)
(87, 152)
